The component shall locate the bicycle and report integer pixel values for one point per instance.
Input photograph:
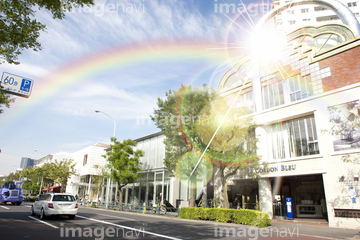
(161, 208)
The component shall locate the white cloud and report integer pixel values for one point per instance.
(120, 103)
(26, 70)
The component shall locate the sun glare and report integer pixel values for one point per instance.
(266, 45)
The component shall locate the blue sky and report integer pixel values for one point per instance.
(66, 120)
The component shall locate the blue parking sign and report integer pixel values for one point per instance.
(25, 85)
(17, 85)
(289, 210)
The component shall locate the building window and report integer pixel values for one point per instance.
(304, 10)
(292, 22)
(293, 138)
(345, 128)
(286, 91)
(272, 95)
(317, 9)
(299, 88)
(306, 19)
(352, 4)
(245, 101)
(85, 159)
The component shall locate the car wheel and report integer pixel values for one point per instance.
(42, 214)
(71, 216)
(12, 203)
(18, 203)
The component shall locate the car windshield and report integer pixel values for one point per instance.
(66, 198)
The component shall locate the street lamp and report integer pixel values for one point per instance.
(98, 111)
(108, 182)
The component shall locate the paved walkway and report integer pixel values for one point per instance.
(297, 229)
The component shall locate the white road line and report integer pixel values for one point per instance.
(5, 207)
(43, 222)
(116, 217)
(26, 206)
(130, 228)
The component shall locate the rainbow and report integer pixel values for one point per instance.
(122, 56)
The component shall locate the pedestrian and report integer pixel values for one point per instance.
(236, 203)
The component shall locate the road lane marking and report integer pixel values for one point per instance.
(43, 222)
(5, 207)
(116, 217)
(130, 228)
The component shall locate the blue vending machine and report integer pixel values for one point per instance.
(289, 208)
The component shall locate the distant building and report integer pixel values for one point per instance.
(59, 156)
(87, 160)
(310, 15)
(27, 162)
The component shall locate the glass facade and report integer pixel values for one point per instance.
(286, 91)
(293, 138)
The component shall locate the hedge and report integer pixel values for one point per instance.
(240, 216)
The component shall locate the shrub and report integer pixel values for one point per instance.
(239, 216)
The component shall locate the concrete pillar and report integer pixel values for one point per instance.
(107, 193)
(162, 187)
(256, 90)
(174, 192)
(261, 145)
(89, 188)
(265, 196)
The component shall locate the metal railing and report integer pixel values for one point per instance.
(136, 208)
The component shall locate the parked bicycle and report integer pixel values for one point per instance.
(159, 208)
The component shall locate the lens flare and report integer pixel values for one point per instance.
(187, 163)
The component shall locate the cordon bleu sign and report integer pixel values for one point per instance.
(283, 167)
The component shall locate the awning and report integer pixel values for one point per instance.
(51, 188)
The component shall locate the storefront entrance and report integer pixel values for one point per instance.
(246, 192)
(307, 195)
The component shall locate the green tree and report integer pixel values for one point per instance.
(62, 171)
(13, 176)
(123, 163)
(19, 28)
(52, 172)
(230, 135)
(98, 179)
(5, 99)
(33, 179)
(176, 116)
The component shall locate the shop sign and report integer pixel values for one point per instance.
(282, 168)
(349, 182)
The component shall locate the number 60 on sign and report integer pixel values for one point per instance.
(17, 85)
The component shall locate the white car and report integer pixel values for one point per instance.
(50, 204)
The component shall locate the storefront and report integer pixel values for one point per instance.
(306, 192)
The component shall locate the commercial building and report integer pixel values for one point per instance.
(88, 164)
(27, 162)
(292, 99)
(156, 184)
(310, 14)
(58, 156)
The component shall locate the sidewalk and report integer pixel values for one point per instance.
(298, 229)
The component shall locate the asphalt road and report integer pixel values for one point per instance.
(16, 223)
